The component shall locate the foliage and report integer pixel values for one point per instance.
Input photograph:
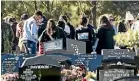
(129, 39)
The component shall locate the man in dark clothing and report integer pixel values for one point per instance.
(12, 22)
(7, 37)
(42, 26)
(86, 34)
(121, 26)
(67, 27)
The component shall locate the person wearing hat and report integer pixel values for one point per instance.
(129, 20)
(135, 25)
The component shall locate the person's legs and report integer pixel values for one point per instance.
(30, 47)
(33, 47)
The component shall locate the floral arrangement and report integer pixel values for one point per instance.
(9, 77)
(91, 75)
(129, 39)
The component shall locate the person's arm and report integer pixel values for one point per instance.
(99, 35)
(132, 26)
(17, 34)
(34, 30)
(93, 36)
(41, 36)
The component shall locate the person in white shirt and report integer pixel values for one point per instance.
(135, 25)
(30, 32)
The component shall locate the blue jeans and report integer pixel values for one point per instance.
(30, 47)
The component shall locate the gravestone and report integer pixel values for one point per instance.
(77, 47)
(53, 45)
(11, 62)
(117, 54)
(132, 78)
(115, 72)
(73, 46)
(91, 61)
(36, 72)
(137, 51)
(116, 63)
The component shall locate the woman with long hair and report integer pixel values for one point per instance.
(105, 35)
(52, 32)
(19, 35)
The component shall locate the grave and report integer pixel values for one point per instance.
(91, 61)
(116, 63)
(110, 73)
(11, 62)
(39, 73)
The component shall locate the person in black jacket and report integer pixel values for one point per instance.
(105, 35)
(86, 34)
(66, 26)
(121, 26)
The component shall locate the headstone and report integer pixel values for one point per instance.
(117, 54)
(137, 51)
(111, 74)
(53, 45)
(36, 72)
(91, 61)
(77, 47)
(11, 62)
(132, 78)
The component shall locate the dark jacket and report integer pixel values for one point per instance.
(72, 30)
(41, 28)
(121, 27)
(106, 41)
(88, 39)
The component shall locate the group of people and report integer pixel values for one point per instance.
(31, 32)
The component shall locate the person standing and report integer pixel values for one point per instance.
(121, 26)
(66, 26)
(129, 20)
(111, 20)
(51, 32)
(30, 32)
(105, 35)
(135, 25)
(84, 33)
(19, 34)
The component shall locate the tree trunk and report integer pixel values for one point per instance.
(94, 12)
(48, 5)
(35, 4)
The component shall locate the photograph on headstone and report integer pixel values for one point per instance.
(53, 45)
